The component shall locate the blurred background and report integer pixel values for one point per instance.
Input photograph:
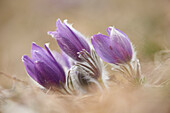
(146, 22)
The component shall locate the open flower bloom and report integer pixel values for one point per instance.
(69, 40)
(115, 48)
(43, 68)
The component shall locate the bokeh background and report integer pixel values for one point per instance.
(146, 22)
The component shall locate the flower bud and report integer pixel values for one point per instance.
(43, 68)
(69, 40)
(115, 48)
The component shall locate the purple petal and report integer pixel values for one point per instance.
(115, 49)
(53, 33)
(109, 30)
(115, 33)
(101, 44)
(121, 44)
(67, 60)
(58, 65)
(64, 32)
(69, 48)
(69, 40)
(62, 58)
(29, 66)
(79, 37)
(43, 67)
(49, 52)
(46, 75)
(125, 36)
(39, 54)
(36, 49)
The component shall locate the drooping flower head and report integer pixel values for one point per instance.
(69, 40)
(43, 68)
(115, 48)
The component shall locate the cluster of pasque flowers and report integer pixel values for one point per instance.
(79, 66)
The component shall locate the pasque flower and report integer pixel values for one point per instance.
(69, 40)
(115, 48)
(43, 68)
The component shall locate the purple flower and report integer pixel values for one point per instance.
(69, 40)
(63, 59)
(115, 48)
(43, 67)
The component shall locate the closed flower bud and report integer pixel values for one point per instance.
(115, 48)
(69, 40)
(43, 68)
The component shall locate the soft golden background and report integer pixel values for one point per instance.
(146, 22)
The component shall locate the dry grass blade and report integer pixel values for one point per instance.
(13, 78)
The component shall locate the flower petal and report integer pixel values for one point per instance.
(62, 58)
(46, 75)
(37, 49)
(69, 40)
(121, 44)
(29, 65)
(101, 44)
(79, 36)
(64, 32)
(69, 48)
(115, 49)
